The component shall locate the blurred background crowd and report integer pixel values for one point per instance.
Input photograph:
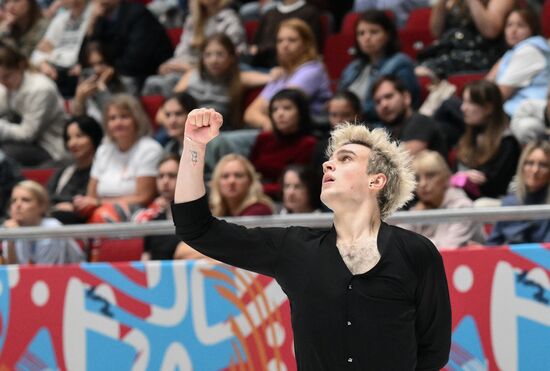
(94, 96)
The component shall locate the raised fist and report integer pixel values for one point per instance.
(203, 125)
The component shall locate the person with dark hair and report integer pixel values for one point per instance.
(82, 137)
(377, 47)
(301, 188)
(22, 23)
(415, 131)
(364, 295)
(288, 142)
(171, 116)
(161, 247)
(523, 72)
(98, 83)
(132, 36)
(343, 107)
(10, 174)
(487, 153)
(32, 115)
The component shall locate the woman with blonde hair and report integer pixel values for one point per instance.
(206, 17)
(433, 192)
(300, 68)
(235, 189)
(28, 208)
(125, 165)
(532, 188)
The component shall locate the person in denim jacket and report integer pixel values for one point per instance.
(377, 47)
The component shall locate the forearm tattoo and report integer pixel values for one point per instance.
(194, 157)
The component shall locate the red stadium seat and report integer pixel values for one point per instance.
(38, 175)
(107, 250)
(338, 53)
(250, 95)
(151, 104)
(416, 34)
(250, 27)
(348, 24)
(419, 20)
(545, 19)
(174, 34)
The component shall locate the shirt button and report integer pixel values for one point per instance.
(350, 360)
(349, 287)
(349, 323)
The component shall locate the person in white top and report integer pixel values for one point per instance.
(125, 165)
(57, 53)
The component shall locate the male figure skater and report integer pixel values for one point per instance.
(364, 295)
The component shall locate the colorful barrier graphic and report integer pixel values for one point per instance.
(200, 316)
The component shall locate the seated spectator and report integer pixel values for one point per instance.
(32, 116)
(399, 8)
(21, 23)
(377, 46)
(9, 176)
(487, 153)
(82, 136)
(394, 109)
(133, 38)
(468, 36)
(172, 117)
(28, 208)
(531, 121)
(433, 192)
(124, 169)
(263, 50)
(301, 188)
(218, 83)
(161, 247)
(98, 83)
(57, 53)
(533, 180)
(523, 72)
(300, 69)
(343, 107)
(206, 18)
(235, 189)
(289, 142)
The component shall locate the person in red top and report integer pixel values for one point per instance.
(235, 189)
(288, 143)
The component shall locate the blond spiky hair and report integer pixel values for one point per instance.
(386, 157)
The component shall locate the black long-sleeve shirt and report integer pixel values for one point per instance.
(397, 316)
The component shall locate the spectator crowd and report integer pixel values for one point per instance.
(97, 92)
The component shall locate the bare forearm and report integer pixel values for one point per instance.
(489, 20)
(190, 181)
(437, 19)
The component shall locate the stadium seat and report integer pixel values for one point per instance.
(545, 19)
(250, 27)
(416, 34)
(38, 175)
(151, 104)
(461, 79)
(109, 250)
(174, 34)
(338, 53)
(419, 20)
(250, 95)
(348, 24)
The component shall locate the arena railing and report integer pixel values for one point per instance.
(320, 220)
